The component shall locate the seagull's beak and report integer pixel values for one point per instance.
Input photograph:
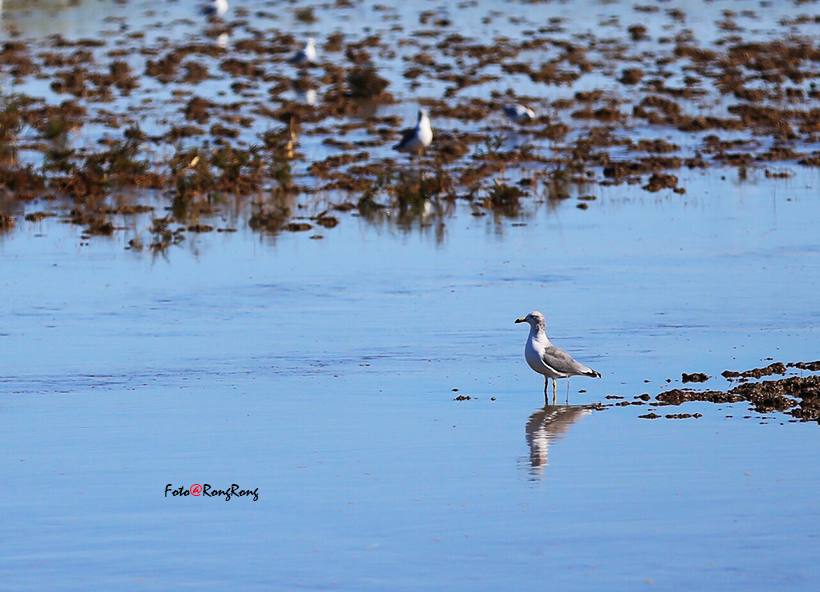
(520, 320)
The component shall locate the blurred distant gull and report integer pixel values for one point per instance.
(308, 96)
(546, 359)
(519, 113)
(215, 7)
(305, 56)
(416, 139)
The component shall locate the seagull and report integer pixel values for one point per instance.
(305, 56)
(215, 8)
(546, 359)
(416, 139)
(519, 113)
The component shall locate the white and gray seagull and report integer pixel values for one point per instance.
(546, 359)
(519, 113)
(215, 8)
(416, 139)
(305, 56)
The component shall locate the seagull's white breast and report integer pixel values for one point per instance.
(310, 52)
(425, 132)
(532, 353)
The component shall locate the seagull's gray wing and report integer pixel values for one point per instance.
(562, 362)
(407, 135)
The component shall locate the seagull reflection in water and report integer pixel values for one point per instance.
(546, 425)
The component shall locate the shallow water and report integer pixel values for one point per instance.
(322, 373)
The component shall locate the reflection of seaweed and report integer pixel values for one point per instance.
(273, 215)
(6, 222)
(11, 124)
(557, 183)
(504, 197)
(412, 198)
(280, 145)
(271, 219)
(368, 205)
(163, 236)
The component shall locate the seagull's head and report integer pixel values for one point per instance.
(422, 114)
(535, 318)
(311, 42)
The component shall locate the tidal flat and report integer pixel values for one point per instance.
(216, 271)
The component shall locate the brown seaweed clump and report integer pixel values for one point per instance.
(6, 222)
(503, 197)
(775, 368)
(364, 82)
(798, 396)
(269, 219)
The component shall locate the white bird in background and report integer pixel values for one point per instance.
(305, 56)
(546, 359)
(519, 113)
(416, 139)
(215, 8)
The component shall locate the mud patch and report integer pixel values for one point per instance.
(798, 396)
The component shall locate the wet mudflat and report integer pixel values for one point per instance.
(142, 347)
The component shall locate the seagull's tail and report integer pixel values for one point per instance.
(592, 373)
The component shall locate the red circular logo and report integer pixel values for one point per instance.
(196, 489)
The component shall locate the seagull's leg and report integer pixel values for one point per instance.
(567, 390)
(554, 387)
(546, 386)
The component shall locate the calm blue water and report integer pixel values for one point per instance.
(321, 373)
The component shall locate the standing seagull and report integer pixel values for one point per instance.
(416, 139)
(305, 56)
(519, 113)
(215, 8)
(546, 359)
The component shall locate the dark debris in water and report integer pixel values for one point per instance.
(798, 396)
(694, 377)
(6, 222)
(775, 368)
